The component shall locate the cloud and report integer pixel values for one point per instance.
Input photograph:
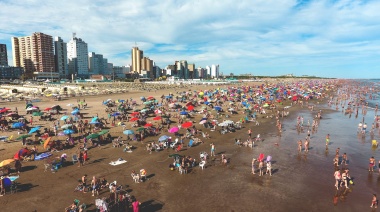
(327, 38)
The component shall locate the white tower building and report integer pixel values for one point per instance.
(77, 54)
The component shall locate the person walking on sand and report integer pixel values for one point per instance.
(371, 164)
(345, 177)
(212, 149)
(269, 168)
(338, 178)
(136, 206)
(374, 201)
(299, 146)
(249, 133)
(344, 159)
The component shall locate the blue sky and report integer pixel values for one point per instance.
(327, 38)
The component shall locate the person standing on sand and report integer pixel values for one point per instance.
(306, 145)
(261, 167)
(338, 178)
(327, 140)
(371, 164)
(299, 146)
(212, 149)
(253, 165)
(136, 206)
(249, 133)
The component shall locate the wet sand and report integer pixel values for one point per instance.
(300, 182)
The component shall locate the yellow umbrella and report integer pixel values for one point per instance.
(6, 162)
(47, 142)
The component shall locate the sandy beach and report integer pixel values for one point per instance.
(300, 181)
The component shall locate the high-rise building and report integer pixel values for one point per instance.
(95, 63)
(214, 71)
(60, 57)
(137, 55)
(3, 55)
(77, 55)
(192, 72)
(34, 53)
(208, 72)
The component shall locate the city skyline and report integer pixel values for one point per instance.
(320, 38)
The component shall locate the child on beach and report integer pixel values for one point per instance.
(327, 140)
(371, 164)
(374, 201)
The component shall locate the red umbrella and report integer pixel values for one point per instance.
(187, 124)
(148, 125)
(134, 119)
(190, 107)
(11, 114)
(157, 118)
(135, 113)
(4, 110)
(47, 109)
(151, 97)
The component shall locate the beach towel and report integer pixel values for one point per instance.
(117, 162)
(43, 156)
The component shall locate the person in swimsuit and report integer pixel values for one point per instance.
(327, 140)
(338, 178)
(374, 201)
(299, 146)
(212, 149)
(371, 164)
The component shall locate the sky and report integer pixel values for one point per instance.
(325, 38)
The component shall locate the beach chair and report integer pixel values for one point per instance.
(75, 158)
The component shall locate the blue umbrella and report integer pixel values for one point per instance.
(34, 129)
(207, 103)
(217, 108)
(17, 125)
(116, 114)
(183, 113)
(121, 100)
(94, 122)
(74, 112)
(168, 97)
(128, 132)
(94, 119)
(163, 138)
(64, 117)
(68, 132)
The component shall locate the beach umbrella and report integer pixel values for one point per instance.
(157, 118)
(31, 109)
(28, 105)
(38, 113)
(116, 114)
(34, 129)
(94, 135)
(140, 129)
(187, 124)
(94, 119)
(149, 98)
(12, 114)
(47, 141)
(66, 126)
(17, 125)
(143, 110)
(128, 132)
(135, 113)
(183, 113)
(163, 138)
(64, 117)
(134, 119)
(217, 108)
(147, 103)
(22, 137)
(269, 158)
(103, 132)
(75, 112)
(190, 107)
(47, 109)
(3, 110)
(6, 162)
(148, 125)
(68, 132)
(94, 122)
(174, 130)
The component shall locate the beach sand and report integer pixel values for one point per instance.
(300, 182)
